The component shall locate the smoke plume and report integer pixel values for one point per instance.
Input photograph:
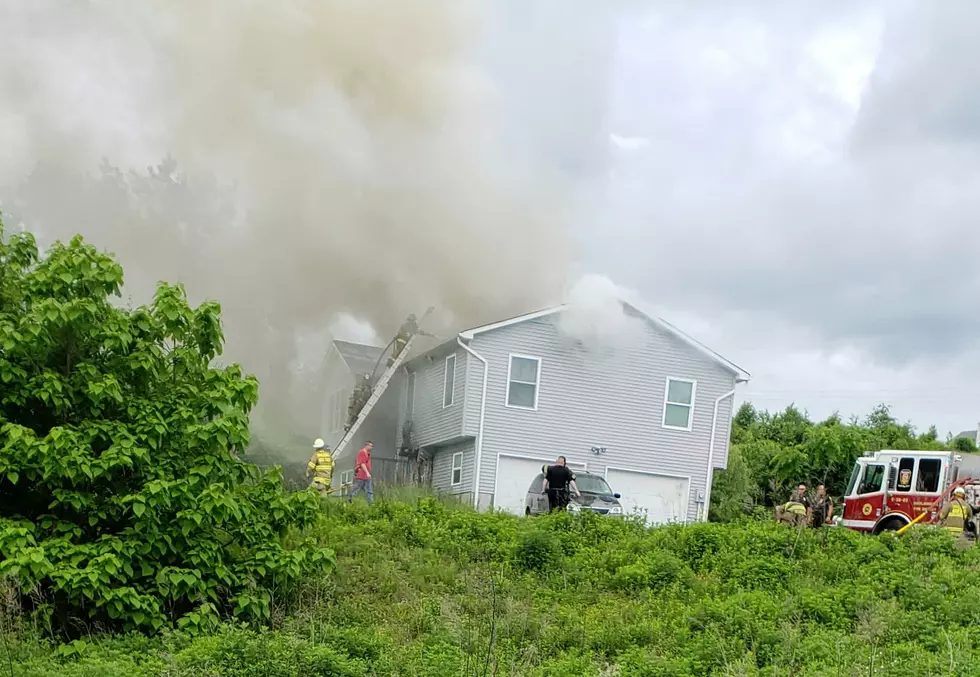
(596, 317)
(299, 161)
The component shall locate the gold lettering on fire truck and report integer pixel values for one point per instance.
(917, 503)
(866, 509)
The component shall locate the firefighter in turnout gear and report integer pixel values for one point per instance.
(409, 328)
(792, 513)
(321, 468)
(796, 511)
(358, 398)
(956, 513)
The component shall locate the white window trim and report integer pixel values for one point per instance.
(452, 473)
(410, 388)
(335, 404)
(445, 377)
(690, 417)
(537, 384)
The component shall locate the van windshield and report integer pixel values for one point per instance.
(592, 484)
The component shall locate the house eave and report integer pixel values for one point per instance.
(741, 375)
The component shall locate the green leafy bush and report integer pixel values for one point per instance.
(121, 499)
(611, 599)
(537, 551)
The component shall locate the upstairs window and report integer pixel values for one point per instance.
(679, 404)
(523, 379)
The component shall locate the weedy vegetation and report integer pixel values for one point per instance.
(134, 542)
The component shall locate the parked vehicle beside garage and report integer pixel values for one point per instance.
(596, 496)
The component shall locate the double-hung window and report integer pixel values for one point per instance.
(457, 468)
(523, 380)
(335, 410)
(679, 404)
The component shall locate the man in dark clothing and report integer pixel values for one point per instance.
(821, 509)
(557, 480)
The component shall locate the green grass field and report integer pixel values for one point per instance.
(430, 589)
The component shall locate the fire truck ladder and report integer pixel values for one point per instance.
(376, 393)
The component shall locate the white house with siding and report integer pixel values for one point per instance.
(495, 402)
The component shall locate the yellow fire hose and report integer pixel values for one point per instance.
(909, 525)
(934, 506)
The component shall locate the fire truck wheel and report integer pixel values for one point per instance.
(890, 524)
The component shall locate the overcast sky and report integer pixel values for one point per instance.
(796, 184)
(801, 190)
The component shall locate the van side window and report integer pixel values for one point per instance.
(928, 477)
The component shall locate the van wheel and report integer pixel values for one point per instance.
(891, 524)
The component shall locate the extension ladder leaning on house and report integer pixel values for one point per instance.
(376, 393)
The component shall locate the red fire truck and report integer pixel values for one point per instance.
(889, 489)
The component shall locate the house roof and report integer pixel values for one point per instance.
(970, 435)
(360, 358)
(652, 319)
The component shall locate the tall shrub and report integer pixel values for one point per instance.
(122, 500)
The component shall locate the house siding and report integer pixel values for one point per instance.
(433, 423)
(474, 391)
(336, 378)
(442, 465)
(605, 399)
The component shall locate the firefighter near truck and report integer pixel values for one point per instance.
(890, 490)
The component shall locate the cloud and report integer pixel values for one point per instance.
(803, 202)
(811, 173)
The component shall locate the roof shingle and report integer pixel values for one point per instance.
(360, 358)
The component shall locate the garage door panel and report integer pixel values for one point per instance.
(514, 476)
(658, 498)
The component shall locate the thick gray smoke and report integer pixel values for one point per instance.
(320, 157)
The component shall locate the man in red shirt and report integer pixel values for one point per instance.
(362, 474)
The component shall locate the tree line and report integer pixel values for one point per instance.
(771, 453)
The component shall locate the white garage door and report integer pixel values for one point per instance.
(659, 498)
(514, 476)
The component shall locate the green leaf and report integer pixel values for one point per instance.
(122, 409)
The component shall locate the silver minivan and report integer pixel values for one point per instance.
(596, 496)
